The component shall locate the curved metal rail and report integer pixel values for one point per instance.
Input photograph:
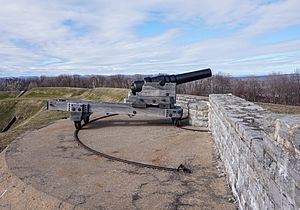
(181, 167)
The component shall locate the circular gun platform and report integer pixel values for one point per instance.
(47, 169)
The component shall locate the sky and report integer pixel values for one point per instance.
(236, 37)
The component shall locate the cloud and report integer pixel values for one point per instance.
(103, 37)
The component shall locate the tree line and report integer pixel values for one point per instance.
(274, 88)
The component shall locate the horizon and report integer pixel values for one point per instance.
(253, 38)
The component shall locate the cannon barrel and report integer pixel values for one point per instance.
(137, 86)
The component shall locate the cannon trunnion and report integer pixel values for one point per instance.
(153, 96)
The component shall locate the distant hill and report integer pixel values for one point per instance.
(264, 77)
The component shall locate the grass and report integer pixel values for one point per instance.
(6, 108)
(8, 94)
(31, 112)
(54, 93)
(279, 108)
(105, 94)
(42, 118)
(100, 94)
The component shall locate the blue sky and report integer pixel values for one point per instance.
(249, 37)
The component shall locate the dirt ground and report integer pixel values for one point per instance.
(46, 169)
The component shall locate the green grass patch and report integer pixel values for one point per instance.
(49, 92)
(6, 111)
(105, 94)
(279, 108)
(42, 118)
(22, 109)
(8, 94)
(100, 94)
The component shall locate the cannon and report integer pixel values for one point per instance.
(153, 96)
(160, 91)
(178, 79)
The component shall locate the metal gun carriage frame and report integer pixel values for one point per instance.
(153, 96)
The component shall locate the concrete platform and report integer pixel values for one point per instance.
(46, 169)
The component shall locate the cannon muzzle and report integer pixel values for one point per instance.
(137, 86)
(192, 76)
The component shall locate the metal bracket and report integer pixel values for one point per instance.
(78, 111)
(78, 107)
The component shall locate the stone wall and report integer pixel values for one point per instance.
(260, 152)
(195, 108)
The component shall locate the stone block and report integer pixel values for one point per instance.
(257, 147)
(293, 167)
(286, 203)
(295, 136)
(287, 132)
(242, 184)
(297, 195)
(243, 202)
(285, 181)
(198, 106)
(274, 193)
(268, 202)
(260, 200)
(202, 114)
(269, 166)
(200, 123)
(253, 204)
(272, 148)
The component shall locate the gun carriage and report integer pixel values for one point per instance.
(153, 96)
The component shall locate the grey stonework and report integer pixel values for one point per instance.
(195, 108)
(260, 151)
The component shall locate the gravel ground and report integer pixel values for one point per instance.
(46, 169)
